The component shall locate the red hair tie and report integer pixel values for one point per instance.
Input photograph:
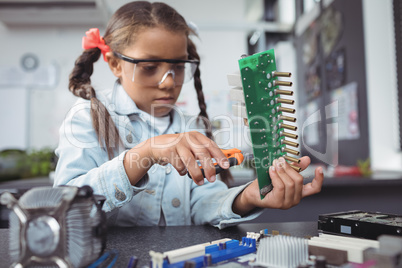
(93, 39)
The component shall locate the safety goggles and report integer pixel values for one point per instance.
(153, 72)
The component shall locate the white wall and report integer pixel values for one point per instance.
(46, 106)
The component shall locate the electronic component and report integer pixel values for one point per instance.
(361, 224)
(203, 255)
(282, 251)
(353, 247)
(263, 108)
(63, 226)
(388, 255)
(261, 249)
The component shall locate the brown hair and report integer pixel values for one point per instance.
(120, 33)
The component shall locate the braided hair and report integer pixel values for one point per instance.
(226, 176)
(121, 32)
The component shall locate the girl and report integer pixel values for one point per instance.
(134, 147)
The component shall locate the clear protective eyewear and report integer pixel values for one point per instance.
(153, 72)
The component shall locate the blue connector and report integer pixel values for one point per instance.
(218, 253)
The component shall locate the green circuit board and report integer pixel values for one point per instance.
(264, 112)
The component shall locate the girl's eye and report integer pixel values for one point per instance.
(148, 68)
(180, 67)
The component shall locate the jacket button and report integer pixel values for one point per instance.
(175, 202)
(168, 169)
(129, 138)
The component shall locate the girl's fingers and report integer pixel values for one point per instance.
(187, 148)
(178, 164)
(205, 149)
(296, 178)
(214, 151)
(277, 195)
(288, 188)
(208, 166)
(304, 162)
(314, 186)
(199, 148)
(292, 180)
(191, 164)
(219, 156)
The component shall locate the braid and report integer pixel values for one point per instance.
(80, 86)
(202, 116)
(80, 81)
(226, 176)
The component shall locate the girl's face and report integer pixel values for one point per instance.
(153, 43)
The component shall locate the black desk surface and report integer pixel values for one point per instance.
(139, 241)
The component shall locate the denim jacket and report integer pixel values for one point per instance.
(162, 195)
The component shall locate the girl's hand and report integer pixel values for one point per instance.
(181, 151)
(288, 188)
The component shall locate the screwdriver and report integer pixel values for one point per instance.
(234, 156)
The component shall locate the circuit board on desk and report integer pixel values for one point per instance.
(233, 253)
(283, 250)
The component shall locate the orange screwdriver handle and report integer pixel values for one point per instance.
(235, 157)
(236, 153)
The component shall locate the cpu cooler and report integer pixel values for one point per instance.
(56, 227)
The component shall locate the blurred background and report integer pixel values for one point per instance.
(345, 59)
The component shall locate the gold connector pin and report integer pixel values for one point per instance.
(292, 159)
(294, 128)
(298, 169)
(287, 118)
(290, 151)
(281, 74)
(280, 100)
(283, 92)
(286, 110)
(282, 83)
(289, 135)
(290, 143)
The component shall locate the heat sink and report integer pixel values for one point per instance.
(282, 251)
(56, 227)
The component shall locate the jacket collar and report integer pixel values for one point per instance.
(123, 104)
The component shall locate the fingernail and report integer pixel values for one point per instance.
(273, 168)
(212, 178)
(320, 170)
(225, 164)
(281, 162)
(278, 164)
(200, 182)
